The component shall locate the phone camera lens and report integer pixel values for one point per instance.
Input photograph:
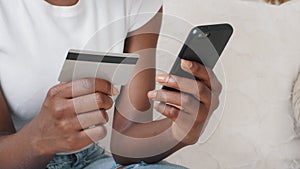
(203, 35)
(207, 34)
(195, 31)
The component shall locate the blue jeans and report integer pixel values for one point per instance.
(94, 158)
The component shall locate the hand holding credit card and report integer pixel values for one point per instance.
(114, 67)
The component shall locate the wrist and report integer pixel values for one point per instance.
(185, 137)
(39, 148)
(34, 143)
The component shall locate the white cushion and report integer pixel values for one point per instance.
(296, 100)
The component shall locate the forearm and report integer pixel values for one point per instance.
(149, 142)
(18, 152)
(133, 137)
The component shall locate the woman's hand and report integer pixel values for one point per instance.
(189, 108)
(72, 116)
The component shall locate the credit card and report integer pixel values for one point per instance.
(114, 67)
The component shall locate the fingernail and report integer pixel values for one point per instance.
(186, 64)
(152, 94)
(115, 91)
(163, 78)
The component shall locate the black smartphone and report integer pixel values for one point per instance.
(204, 45)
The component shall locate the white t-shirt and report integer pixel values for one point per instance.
(36, 36)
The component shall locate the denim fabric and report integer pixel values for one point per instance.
(109, 163)
(94, 158)
(142, 165)
(77, 160)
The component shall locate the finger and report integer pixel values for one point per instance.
(92, 135)
(282, 1)
(193, 87)
(270, 1)
(185, 101)
(180, 116)
(90, 119)
(203, 73)
(183, 121)
(91, 102)
(197, 116)
(87, 86)
(170, 112)
(214, 103)
(198, 70)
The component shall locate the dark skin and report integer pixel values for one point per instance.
(276, 1)
(61, 125)
(62, 3)
(181, 127)
(70, 108)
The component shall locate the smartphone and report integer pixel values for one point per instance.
(204, 45)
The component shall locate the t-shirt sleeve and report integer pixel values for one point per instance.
(140, 12)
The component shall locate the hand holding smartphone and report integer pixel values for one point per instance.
(204, 45)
